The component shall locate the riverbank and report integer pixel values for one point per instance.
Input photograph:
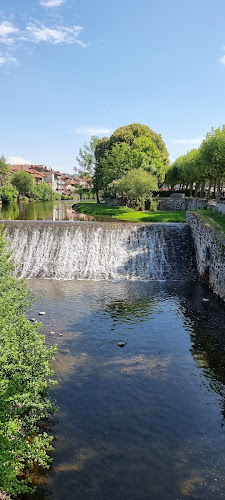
(128, 214)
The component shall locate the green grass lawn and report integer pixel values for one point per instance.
(216, 219)
(128, 214)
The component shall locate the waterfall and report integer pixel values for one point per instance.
(101, 251)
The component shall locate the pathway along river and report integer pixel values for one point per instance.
(141, 422)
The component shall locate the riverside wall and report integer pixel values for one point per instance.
(210, 252)
(181, 204)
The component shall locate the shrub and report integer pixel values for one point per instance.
(154, 206)
(25, 375)
(9, 194)
(43, 192)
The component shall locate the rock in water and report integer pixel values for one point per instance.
(32, 320)
(121, 344)
(205, 300)
(42, 313)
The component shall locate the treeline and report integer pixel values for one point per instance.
(20, 184)
(201, 167)
(133, 161)
(25, 375)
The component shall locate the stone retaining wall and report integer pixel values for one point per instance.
(181, 204)
(219, 206)
(210, 252)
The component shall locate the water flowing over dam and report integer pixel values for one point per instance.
(101, 251)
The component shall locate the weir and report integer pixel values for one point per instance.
(101, 251)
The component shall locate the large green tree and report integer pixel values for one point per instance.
(23, 182)
(130, 147)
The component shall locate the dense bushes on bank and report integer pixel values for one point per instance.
(9, 194)
(25, 375)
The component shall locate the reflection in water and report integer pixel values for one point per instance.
(48, 210)
(145, 421)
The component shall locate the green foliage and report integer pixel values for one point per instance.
(154, 205)
(4, 171)
(131, 132)
(9, 194)
(212, 152)
(43, 192)
(130, 147)
(23, 182)
(86, 158)
(203, 165)
(25, 375)
(137, 184)
(186, 169)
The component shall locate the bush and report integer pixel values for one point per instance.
(25, 375)
(154, 206)
(9, 194)
(43, 192)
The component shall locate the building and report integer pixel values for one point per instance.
(60, 183)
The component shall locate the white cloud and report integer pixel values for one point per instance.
(222, 60)
(6, 59)
(56, 36)
(13, 37)
(51, 3)
(7, 32)
(18, 160)
(196, 140)
(92, 131)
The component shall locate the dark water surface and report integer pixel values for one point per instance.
(141, 422)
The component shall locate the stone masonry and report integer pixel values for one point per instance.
(210, 252)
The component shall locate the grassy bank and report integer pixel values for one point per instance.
(128, 214)
(216, 219)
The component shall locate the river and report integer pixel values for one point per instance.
(141, 422)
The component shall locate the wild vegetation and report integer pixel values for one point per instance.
(25, 375)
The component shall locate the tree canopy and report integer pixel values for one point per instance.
(130, 147)
(203, 165)
(4, 171)
(23, 182)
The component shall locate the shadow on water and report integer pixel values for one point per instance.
(144, 421)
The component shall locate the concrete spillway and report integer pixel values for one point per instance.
(92, 250)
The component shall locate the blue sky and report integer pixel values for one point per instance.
(72, 68)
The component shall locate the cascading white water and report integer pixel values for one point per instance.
(78, 250)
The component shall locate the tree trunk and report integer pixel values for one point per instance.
(202, 194)
(218, 190)
(191, 189)
(209, 191)
(196, 190)
(97, 196)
